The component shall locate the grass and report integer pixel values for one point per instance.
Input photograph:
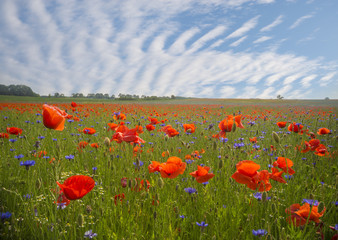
(229, 208)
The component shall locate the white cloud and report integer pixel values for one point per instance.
(239, 41)
(324, 81)
(306, 80)
(262, 39)
(300, 20)
(227, 92)
(267, 93)
(246, 27)
(277, 21)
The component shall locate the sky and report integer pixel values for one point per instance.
(190, 48)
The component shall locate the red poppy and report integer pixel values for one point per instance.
(321, 150)
(62, 200)
(4, 135)
(285, 164)
(190, 128)
(277, 175)
(170, 131)
(323, 131)
(154, 167)
(112, 126)
(120, 197)
(153, 121)
(89, 131)
(281, 124)
(14, 130)
(247, 174)
(94, 145)
(76, 187)
(73, 104)
(238, 122)
(253, 140)
(53, 117)
(202, 174)
(127, 136)
(172, 168)
(300, 215)
(295, 127)
(150, 127)
(82, 144)
(226, 124)
(120, 116)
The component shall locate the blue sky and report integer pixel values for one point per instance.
(192, 48)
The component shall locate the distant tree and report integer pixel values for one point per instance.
(172, 97)
(106, 96)
(90, 95)
(112, 96)
(279, 96)
(4, 90)
(327, 98)
(56, 94)
(62, 95)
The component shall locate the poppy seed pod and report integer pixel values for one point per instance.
(107, 141)
(234, 127)
(275, 137)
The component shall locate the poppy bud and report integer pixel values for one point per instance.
(166, 137)
(215, 145)
(124, 182)
(80, 220)
(311, 196)
(275, 137)
(220, 164)
(202, 133)
(155, 214)
(234, 127)
(321, 207)
(160, 182)
(107, 141)
(264, 196)
(89, 209)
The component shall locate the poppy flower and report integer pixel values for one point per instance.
(14, 130)
(150, 127)
(295, 127)
(112, 126)
(94, 145)
(277, 175)
(202, 174)
(127, 136)
(153, 121)
(281, 124)
(76, 187)
(170, 131)
(82, 144)
(323, 131)
(62, 200)
(300, 215)
(89, 131)
(226, 124)
(172, 168)
(238, 122)
(154, 167)
(73, 104)
(190, 128)
(4, 135)
(247, 174)
(253, 140)
(119, 116)
(321, 150)
(285, 164)
(120, 197)
(53, 117)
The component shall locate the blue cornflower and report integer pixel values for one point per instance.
(19, 156)
(259, 232)
(205, 183)
(13, 140)
(202, 224)
(27, 196)
(311, 202)
(189, 161)
(258, 196)
(182, 216)
(41, 137)
(5, 215)
(90, 234)
(190, 190)
(69, 157)
(27, 163)
(223, 140)
(140, 162)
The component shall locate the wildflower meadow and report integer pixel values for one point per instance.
(171, 170)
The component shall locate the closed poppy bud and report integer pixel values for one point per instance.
(107, 141)
(321, 207)
(220, 164)
(215, 145)
(160, 182)
(275, 137)
(264, 196)
(234, 127)
(80, 220)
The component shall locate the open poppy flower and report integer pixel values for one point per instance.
(76, 187)
(253, 140)
(153, 121)
(277, 175)
(190, 128)
(127, 136)
(285, 164)
(89, 131)
(120, 197)
(112, 126)
(4, 135)
(323, 131)
(202, 174)
(150, 127)
(119, 116)
(238, 122)
(14, 130)
(170, 131)
(82, 144)
(247, 174)
(73, 104)
(172, 168)
(226, 124)
(321, 150)
(281, 124)
(300, 215)
(295, 127)
(53, 117)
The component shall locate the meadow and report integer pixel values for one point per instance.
(223, 169)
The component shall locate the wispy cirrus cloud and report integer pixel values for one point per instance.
(275, 23)
(246, 27)
(300, 20)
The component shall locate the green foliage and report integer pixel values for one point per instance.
(17, 90)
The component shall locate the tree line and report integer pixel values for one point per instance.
(120, 96)
(17, 90)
